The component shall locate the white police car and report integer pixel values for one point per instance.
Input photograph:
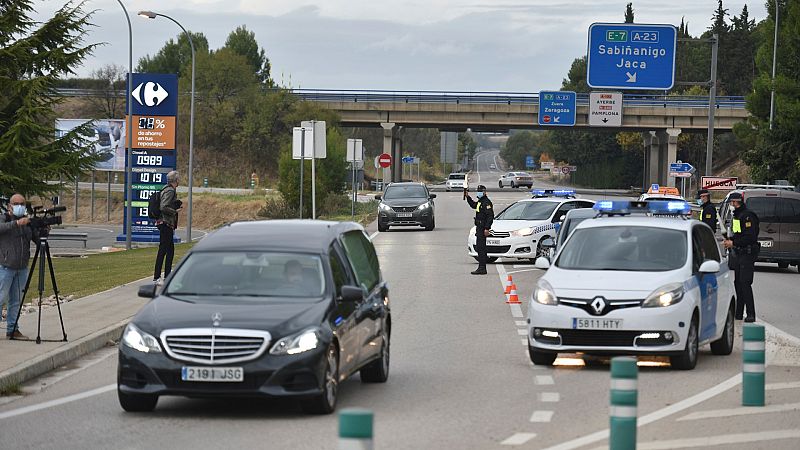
(631, 282)
(518, 230)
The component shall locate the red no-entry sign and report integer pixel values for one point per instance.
(385, 160)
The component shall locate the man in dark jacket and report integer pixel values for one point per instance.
(708, 214)
(170, 205)
(484, 216)
(743, 239)
(15, 251)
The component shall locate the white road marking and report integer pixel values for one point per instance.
(542, 416)
(776, 386)
(39, 384)
(549, 397)
(372, 236)
(524, 342)
(725, 439)
(715, 413)
(522, 331)
(656, 415)
(519, 439)
(57, 402)
(516, 310)
(521, 323)
(544, 380)
(529, 269)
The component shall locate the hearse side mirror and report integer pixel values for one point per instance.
(148, 290)
(377, 196)
(433, 196)
(352, 293)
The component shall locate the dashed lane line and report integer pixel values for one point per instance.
(725, 439)
(746, 411)
(544, 380)
(776, 386)
(541, 416)
(519, 439)
(549, 397)
(522, 331)
(521, 323)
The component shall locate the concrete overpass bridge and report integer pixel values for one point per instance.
(660, 118)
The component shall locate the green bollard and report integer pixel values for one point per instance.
(355, 429)
(624, 399)
(753, 365)
(205, 182)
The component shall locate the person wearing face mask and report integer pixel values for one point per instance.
(484, 216)
(15, 252)
(743, 239)
(167, 223)
(708, 214)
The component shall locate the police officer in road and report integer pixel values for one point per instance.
(708, 215)
(743, 239)
(484, 216)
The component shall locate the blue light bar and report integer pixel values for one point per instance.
(553, 192)
(622, 207)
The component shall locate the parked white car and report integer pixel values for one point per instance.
(456, 181)
(634, 283)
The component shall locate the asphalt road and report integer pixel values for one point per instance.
(460, 375)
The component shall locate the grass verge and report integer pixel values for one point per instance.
(96, 273)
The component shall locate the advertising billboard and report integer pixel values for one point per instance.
(107, 139)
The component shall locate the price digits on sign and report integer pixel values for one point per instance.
(149, 123)
(149, 160)
(146, 177)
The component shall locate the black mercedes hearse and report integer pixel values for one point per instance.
(269, 309)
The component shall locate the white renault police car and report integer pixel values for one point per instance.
(634, 280)
(518, 230)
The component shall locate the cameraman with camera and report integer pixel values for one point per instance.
(167, 223)
(15, 251)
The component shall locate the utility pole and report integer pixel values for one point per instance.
(712, 103)
(774, 58)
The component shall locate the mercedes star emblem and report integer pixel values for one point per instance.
(216, 318)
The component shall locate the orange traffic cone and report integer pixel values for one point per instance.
(509, 282)
(512, 297)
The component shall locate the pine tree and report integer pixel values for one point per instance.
(33, 56)
(629, 13)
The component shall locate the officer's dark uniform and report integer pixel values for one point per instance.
(744, 229)
(484, 216)
(708, 214)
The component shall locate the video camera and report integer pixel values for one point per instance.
(42, 219)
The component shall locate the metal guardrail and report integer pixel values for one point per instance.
(509, 98)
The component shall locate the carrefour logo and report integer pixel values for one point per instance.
(153, 94)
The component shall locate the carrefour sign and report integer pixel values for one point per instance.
(154, 94)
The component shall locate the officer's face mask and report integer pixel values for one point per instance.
(479, 194)
(18, 210)
(699, 201)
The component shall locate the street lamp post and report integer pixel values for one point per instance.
(153, 15)
(774, 58)
(129, 134)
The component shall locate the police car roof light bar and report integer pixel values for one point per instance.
(552, 193)
(659, 207)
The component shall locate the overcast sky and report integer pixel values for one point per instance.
(453, 45)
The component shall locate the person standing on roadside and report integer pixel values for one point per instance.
(167, 223)
(484, 216)
(708, 214)
(15, 252)
(743, 239)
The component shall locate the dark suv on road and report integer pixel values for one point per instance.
(406, 204)
(261, 309)
(778, 211)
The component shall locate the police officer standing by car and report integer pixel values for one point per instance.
(708, 214)
(484, 215)
(743, 240)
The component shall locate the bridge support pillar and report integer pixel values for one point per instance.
(652, 160)
(397, 160)
(668, 153)
(388, 144)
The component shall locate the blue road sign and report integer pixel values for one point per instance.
(529, 164)
(408, 159)
(557, 108)
(631, 56)
(681, 167)
(654, 187)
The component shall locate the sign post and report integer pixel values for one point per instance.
(631, 56)
(557, 108)
(154, 107)
(605, 109)
(355, 153)
(318, 150)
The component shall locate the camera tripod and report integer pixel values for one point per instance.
(42, 251)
